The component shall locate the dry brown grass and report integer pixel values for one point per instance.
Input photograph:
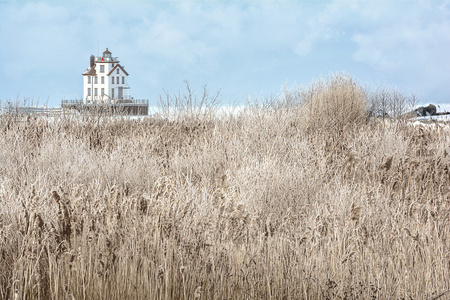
(264, 204)
(334, 104)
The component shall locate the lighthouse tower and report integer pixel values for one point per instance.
(105, 80)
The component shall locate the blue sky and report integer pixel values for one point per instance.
(248, 49)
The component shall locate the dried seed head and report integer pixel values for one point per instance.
(355, 212)
(236, 214)
(388, 164)
(198, 292)
(38, 222)
(56, 197)
(142, 205)
(407, 231)
(270, 225)
(64, 221)
(347, 257)
(160, 272)
(24, 222)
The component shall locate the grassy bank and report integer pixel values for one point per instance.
(308, 199)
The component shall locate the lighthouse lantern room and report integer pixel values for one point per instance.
(105, 80)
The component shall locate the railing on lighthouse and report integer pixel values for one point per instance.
(126, 106)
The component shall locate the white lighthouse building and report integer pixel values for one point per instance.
(105, 87)
(105, 80)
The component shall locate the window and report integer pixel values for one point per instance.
(89, 79)
(112, 80)
(95, 92)
(117, 79)
(103, 91)
(89, 91)
(103, 79)
(95, 79)
(102, 68)
(123, 79)
(117, 70)
(112, 93)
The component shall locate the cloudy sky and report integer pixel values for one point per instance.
(247, 49)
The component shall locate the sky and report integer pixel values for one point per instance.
(246, 49)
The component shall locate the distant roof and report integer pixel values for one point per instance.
(90, 71)
(118, 66)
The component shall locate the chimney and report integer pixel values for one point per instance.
(92, 61)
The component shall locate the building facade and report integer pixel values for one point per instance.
(105, 80)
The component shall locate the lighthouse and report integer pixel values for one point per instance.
(105, 80)
(105, 87)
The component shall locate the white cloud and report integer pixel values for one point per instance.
(327, 24)
(304, 47)
(416, 43)
(377, 49)
(236, 45)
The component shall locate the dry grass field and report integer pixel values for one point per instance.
(306, 198)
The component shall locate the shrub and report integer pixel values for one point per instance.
(385, 102)
(333, 104)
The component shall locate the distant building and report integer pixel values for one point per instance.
(105, 80)
(105, 86)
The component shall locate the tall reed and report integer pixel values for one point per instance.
(266, 203)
